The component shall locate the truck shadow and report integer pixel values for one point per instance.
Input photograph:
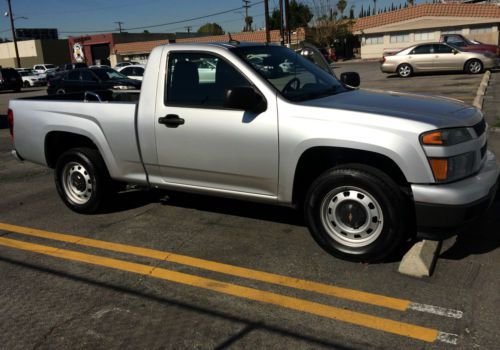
(131, 199)
(481, 237)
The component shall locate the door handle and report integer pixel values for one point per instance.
(171, 120)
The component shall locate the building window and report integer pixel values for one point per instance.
(373, 40)
(480, 30)
(452, 31)
(424, 36)
(400, 38)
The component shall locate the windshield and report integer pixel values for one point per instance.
(296, 78)
(49, 66)
(108, 74)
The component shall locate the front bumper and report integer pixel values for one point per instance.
(444, 210)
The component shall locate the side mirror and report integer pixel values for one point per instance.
(455, 52)
(246, 99)
(351, 79)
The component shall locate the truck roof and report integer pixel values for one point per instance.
(227, 44)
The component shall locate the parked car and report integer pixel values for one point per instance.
(135, 71)
(369, 169)
(437, 57)
(43, 68)
(99, 66)
(31, 78)
(124, 64)
(86, 79)
(465, 44)
(10, 79)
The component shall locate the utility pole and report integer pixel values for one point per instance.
(246, 6)
(266, 14)
(287, 25)
(188, 29)
(18, 60)
(282, 39)
(119, 25)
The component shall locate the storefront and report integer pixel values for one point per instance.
(97, 48)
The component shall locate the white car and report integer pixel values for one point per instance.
(43, 68)
(32, 78)
(134, 71)
(124, 64)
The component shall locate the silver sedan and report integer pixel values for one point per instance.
(437, 57)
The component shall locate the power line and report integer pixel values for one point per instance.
(162, 24)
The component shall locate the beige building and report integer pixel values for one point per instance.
(426, 23)
(33, 52)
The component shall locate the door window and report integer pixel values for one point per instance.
(422, 49)
(200, 79)
(73, 75)
(442, 48)
(87, 76)
(127, 71)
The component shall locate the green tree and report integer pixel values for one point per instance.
(341, 5)
(211, 28)
(248, 24)
(300, 14)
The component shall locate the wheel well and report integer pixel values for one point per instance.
(317, 160)
(58, 142)
(471, 59)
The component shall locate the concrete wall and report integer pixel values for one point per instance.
(33, 52)
(375, 51)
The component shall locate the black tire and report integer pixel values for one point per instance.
(473, 66)
(88, 169)
(404, 70)
(60, 91)
(26, 84)
(17, 89)
(388, 229)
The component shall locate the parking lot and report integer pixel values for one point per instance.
(168, 270)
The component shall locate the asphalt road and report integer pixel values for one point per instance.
(81, 290)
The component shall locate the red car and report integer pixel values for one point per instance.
(466, 45)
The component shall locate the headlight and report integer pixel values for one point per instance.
(453, 168)
(123, 87)
(445, 137)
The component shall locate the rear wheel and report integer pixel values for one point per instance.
(474, 67)
(356, 213)
(405, 70)
(82, 180)
(26, 84)
(60, 91)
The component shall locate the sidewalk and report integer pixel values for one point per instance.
(491, 110)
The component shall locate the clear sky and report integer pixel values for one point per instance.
(86, 16)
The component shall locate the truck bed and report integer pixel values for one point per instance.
(92, 96)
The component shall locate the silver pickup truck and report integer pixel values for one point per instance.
(369, 169)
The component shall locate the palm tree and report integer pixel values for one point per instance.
(341, 5)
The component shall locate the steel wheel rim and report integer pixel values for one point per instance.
(77, 183)
(475, 67)
(404, 71)
(336, 227)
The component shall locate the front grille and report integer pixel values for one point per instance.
(480, 127)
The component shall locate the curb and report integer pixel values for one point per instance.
(481, 90)
(420, 260)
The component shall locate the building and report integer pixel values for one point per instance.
(33, 52)
(36, 33)
(139, 51)
(97, 48)
(425, 23)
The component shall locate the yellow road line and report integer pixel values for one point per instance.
(339, 292)
(357, 318)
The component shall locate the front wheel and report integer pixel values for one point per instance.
(82, 180)
(474, 67)
(356, 213)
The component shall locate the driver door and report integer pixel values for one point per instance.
(213, 147)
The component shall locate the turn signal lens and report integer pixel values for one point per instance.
(433, 138)
(445, 137)
(439, 168)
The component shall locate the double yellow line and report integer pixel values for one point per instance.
(357, 318)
